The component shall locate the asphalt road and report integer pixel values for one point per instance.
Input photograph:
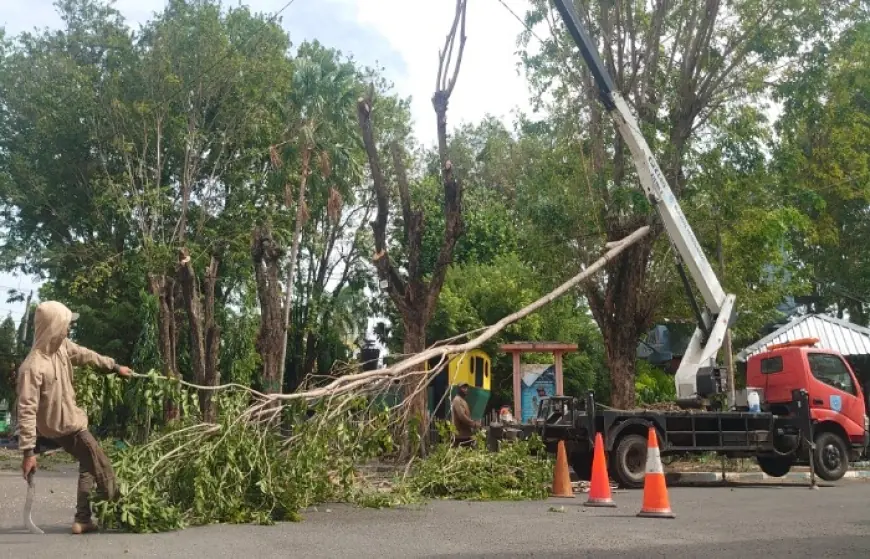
(774, 521)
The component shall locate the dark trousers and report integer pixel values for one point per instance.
(463, 441)
(94, 467)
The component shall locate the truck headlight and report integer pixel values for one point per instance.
(866, 422)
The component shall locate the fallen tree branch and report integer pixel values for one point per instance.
(421, 358)
(413, 365)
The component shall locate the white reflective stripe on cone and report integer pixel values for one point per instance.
(653, 461)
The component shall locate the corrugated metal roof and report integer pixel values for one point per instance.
(833, 333)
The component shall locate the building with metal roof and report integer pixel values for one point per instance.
(839, 335)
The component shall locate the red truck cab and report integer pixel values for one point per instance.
(837, 404)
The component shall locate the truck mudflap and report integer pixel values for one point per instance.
(860, 448)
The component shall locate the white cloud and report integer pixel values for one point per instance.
(413, 30)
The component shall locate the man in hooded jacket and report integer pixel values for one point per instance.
(47, 405)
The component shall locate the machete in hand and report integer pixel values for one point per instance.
(43, 447)
(28, 506)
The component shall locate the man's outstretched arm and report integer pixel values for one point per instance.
(81, 357)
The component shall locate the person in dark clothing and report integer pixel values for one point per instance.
(462, 418)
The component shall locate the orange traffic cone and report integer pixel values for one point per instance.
(561, 477)
(599, 488)
(655, 491)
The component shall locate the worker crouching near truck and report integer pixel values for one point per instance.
(461, 413)
(47, 406)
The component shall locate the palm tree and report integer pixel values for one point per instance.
(320, 116)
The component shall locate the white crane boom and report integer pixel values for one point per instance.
(714, 322)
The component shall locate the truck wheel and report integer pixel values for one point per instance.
(629, 461)
(582, 464)
(831, 456)
(774, 466)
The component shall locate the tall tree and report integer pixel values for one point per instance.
(319, 123)
(156, 141)
(824, 162)
(414, 293)
(676, 63)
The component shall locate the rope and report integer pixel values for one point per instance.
(153, 376)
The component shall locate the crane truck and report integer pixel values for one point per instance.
(810, 407)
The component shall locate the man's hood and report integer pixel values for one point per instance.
(50, 326)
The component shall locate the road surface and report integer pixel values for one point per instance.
(773, 521)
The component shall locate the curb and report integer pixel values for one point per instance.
(716, 477)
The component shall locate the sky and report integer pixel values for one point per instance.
(401, 36)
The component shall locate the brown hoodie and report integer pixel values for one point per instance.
(46, 398)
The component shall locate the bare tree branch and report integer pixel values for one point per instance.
(383, 263)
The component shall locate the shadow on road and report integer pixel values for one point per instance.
(47, 529)
(843, 546)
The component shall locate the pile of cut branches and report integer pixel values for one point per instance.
(520, 470)
(243, 469)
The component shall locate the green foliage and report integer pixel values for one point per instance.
(476, 295)
(160, 139)
(241, 470)
(824, 164)
(520, 470)
(130, 408)
(8, 359)
(653, 385)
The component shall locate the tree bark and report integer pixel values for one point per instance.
(623, 311)
(163, 288)
(414, 343)
(204, 332)
(622, 360)
(266, 255)
(212, 342)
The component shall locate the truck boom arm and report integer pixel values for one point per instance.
(713, 323)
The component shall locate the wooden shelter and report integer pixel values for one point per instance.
(518, 348)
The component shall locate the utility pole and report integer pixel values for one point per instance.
(726, 343)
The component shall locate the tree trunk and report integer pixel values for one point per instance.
(416, 295)
(312, 347)
(193, 306)
(414, 343)
(301, 214)
(212, 342)
(623, 311)
(267, 255)
(204, 332)
(623, 366)
(163, 289)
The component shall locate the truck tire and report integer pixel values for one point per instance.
(582, 464)
(629, 461)
(775, 466)
(831, 458)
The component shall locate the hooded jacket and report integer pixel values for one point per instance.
(46, 397)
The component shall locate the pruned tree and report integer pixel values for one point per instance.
(204, 331)
(414, 294)
(267, 255)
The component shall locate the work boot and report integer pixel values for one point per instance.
(83, 527)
